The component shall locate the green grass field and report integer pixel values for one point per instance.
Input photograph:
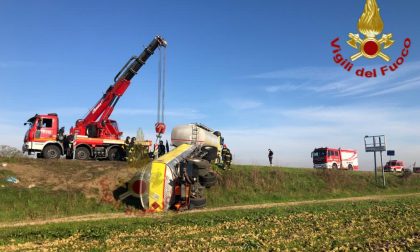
(238, 186)
(370, 225)
(21, 204)
(364, 225)
(255, 184)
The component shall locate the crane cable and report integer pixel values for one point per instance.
(160, 126)
(163, 84)
(159, 86)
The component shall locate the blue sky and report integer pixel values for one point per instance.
(259, 71)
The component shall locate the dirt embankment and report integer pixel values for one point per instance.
(88, 177)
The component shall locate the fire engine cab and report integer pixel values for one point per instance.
(331, 158)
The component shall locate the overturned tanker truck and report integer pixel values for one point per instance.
(178, 179)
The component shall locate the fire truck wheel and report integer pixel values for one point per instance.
(114, 154)
(197, 203)
(350, 167)
(82, 153)
(334, 166)
(51, 152)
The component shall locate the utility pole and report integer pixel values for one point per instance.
(382, 165)
(376, 144)
(374, 157)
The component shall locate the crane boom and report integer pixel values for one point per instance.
(96, 123)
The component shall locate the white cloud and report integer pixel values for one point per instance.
(243, 104)
(302, 73)
(409, 84)
(333, 81)
(303, 129)
(283, 88)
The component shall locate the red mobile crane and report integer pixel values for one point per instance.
(95, 136)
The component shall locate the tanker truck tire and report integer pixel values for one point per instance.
(200, 166)
(196, 203)
(82, 153)
(51, 152)
(200, 163)
(211, 153)
(208, 180)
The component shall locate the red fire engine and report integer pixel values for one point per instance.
(96, 135)
(331, 158)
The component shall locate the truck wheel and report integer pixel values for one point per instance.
(197, 203)
(350, 167)
(200, 163)
(334, 166)
(114, 154)
(82, 153)
(208, 180)
(211, 153)
(200, 166)
(51, 152)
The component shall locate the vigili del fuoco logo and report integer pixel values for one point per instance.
(370, 44)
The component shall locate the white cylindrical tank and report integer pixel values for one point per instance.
(194, 134)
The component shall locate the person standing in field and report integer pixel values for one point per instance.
(161, 149)
(270, 156)
(226, 157)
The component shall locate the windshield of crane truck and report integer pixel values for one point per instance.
(29, 124)
(319, 153)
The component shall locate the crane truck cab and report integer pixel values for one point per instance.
(43, 136)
